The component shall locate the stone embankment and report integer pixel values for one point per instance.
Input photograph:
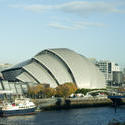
(61, 103)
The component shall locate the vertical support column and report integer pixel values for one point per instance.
(16, 89)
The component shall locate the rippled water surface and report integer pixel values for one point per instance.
(82, 116)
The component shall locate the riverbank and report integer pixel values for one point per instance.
(68, 103)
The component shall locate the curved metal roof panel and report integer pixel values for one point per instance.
(22, 64)
(40, 74)
(84, 72)
(56, 67)
(24, 77)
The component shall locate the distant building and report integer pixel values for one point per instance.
(115, 67)
(124, 71)
(4, 66)
(106, 68)
(118, 77)
(110, 70)
(45, 85)
(124, 79)
(124, 75)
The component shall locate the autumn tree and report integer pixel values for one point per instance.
(49, 92)
(66, 89)
(39, 88)
(63, 90)
(35, 90)
(31, 91)
(41, 91)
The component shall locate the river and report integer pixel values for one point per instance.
(81, 116)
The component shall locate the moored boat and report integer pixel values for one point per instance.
(21, 106)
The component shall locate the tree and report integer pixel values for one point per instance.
(39, 88)
(83, 91)
(35, 90)
(65, 89)
(49, 92)
(31, 91)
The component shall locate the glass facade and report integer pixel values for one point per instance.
(17, 88)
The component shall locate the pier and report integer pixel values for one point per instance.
(117, 101)
(68, 103)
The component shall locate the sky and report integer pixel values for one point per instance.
(93, 28)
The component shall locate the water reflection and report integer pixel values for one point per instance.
(25, 117)
(18, 120)
(83, 116)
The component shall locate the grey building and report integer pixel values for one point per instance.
(55, 67)
(107, 68)
(124, 71)
(118, 77)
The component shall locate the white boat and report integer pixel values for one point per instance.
(21, 106)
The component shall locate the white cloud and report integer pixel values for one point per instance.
(61, 26)
(83, 8)
(87, 24)
(75, 26)
(35, 8)
(78, 7)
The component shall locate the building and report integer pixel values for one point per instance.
(111, 71)
(118, 77)
(16, 88)
(124, 75)
(124, 71)
(4, 66)
(115, 67)
(55, 67)
(106, 68)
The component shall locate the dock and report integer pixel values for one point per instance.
(117, 100)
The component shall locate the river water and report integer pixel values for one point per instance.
(81, 116)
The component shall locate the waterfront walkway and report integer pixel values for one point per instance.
(61, 103)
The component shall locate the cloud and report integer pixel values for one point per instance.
(75, 26)
(61, 26)
(78, 7)
(84, 8)
(35, 8)
(87, 24)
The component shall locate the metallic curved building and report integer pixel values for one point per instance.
(55, 67)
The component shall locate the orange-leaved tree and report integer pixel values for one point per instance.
(35, 90)
(49, 92)
(30, 91)
(66, 89)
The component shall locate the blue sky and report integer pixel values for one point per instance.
(93, 28)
